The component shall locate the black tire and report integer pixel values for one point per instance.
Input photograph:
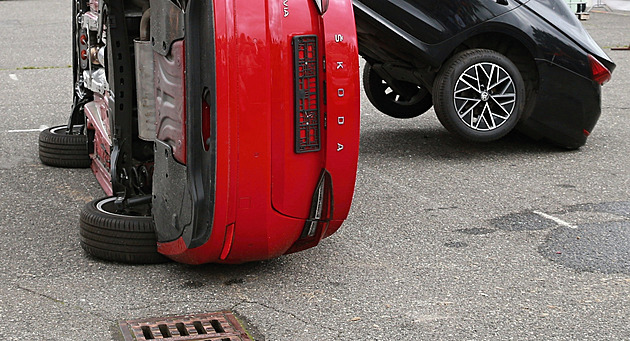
(488, 111)
(57, 148)
(119, 237)
(414, 102)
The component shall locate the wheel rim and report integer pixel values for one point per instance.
(108, 206)
(401, 99)
(61, 130)
(485, 96)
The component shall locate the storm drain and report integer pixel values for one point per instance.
(220, 326)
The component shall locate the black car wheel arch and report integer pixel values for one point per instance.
(479, 95)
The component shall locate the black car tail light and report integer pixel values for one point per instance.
(322, 5)
(600, 73)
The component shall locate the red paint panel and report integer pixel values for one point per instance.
(294, 176)
(342, 75)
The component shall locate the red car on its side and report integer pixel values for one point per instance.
(221, 131)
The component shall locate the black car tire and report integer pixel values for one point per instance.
(485, 113)
(59, 149)
(415, 102)
(120, 237)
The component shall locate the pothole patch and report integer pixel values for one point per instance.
(620, 208)
(584, 237)
(524, 221)
(600, 247)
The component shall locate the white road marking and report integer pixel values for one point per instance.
(42, 127)
(13, 76)
(555, 219)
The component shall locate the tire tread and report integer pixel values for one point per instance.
(118, 238)
(68, 151)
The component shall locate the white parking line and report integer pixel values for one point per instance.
(13, 76)
(42, 127)
(555, 219)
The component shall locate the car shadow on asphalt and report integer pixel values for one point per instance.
(228, 275)
(440, 144)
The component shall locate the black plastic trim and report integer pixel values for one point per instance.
(121, 70)
(200, 87)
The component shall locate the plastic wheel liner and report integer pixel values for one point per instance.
(256, 157)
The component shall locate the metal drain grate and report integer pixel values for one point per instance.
(220, 326)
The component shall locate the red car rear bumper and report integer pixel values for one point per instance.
(285, 141)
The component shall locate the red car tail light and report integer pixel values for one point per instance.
(322, 5)
(601, 74)
(320, 217)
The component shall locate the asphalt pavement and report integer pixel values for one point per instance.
(615, 5)
(514, 240)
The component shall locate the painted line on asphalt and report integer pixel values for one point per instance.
(555, 219)
(13, 76)
(42, 127)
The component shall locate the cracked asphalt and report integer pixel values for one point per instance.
(445, 241)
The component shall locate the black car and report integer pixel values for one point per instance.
(487, 66)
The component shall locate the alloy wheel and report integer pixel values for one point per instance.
(485, 96)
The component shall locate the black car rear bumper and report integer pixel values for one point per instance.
(567, 107)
